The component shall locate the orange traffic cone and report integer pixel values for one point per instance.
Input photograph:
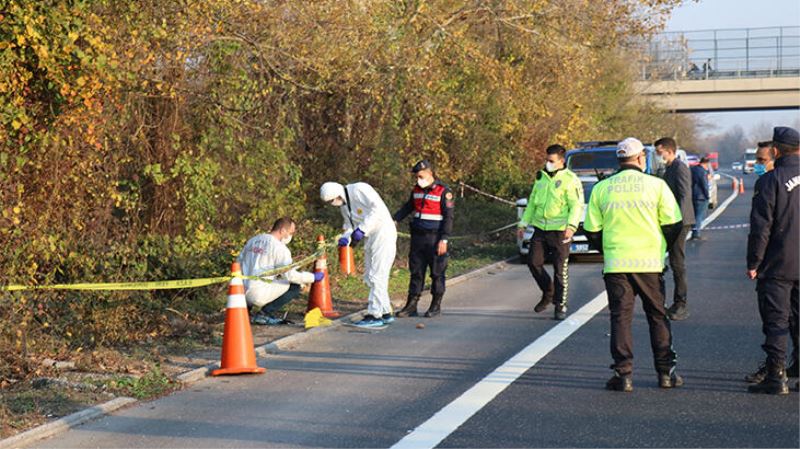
(734, 184)
(347, 260)
(238, 353)
(320, 295)
(741, 185)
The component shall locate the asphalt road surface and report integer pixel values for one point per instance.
(354, 388)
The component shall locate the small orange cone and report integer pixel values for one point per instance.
(741, 185)
(320, 295)
(347, 260)
(734, 184)
(238, 353)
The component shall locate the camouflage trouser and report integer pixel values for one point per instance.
(544, 243)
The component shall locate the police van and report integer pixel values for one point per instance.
(591, 162)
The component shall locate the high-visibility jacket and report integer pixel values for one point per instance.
(432, 208)
(556, 201)
(630, 209)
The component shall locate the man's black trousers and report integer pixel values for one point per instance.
(542, 243)
(622, 290)
(677, 262)
(777, 304)
(421, 256)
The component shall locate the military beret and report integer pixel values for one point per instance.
(422, 165)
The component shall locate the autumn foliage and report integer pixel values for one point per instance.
(144, 140)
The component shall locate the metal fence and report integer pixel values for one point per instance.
(724, 53)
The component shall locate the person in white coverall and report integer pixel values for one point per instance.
(366, 217)
(266, 252)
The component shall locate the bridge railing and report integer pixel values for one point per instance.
(719, 54)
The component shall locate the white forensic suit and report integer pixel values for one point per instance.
(364, 209)
(262, 253)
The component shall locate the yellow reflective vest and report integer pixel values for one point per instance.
(555, 202)
(630, 207)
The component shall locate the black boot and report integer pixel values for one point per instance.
(546, 300)
(436, 307)
(670, 379)
(410, 309)
(758, 375)
(774, 383)
(620, 382)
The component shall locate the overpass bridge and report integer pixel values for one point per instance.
(723, 70)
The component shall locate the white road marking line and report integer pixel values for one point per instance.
(447, 420)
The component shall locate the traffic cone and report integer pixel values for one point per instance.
(734, 184)
(320, 295)
(741, 186)
(347, 260)
(238, 353)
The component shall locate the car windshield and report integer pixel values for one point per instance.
(590, 160)
(587, 190)
(750, 156)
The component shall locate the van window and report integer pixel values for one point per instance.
(593, 159)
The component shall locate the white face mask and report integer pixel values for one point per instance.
(337, 202)
(286, 240)
(550, 166)
(424, 183)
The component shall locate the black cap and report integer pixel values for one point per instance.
(422, 165)
(785, 135)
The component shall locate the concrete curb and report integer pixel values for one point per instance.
(65, 423)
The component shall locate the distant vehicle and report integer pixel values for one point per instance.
(713, 159)
(692, 160)
(749, 160)
(737, 166)
(591, 161)
(680, 155)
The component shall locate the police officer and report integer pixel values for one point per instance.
(554, 209)
(432, 204)
(772, 258)
(633, 217)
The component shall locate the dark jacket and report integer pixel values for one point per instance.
(699, 184)
(772, 246)
(447, 203)
(679, 179)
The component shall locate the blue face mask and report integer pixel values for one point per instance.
(760, 169)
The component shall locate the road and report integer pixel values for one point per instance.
(353, 388)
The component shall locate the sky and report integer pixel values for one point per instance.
(717, 14)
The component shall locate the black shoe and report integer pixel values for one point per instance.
(543, 304)
(560, 313)
(678, 312)
(791, 371)
(436, 307)
(670, 380)
(620, 383)
(410, 309)
(773, 383)
(758, 375)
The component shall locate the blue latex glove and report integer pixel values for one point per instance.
(358, 234)
(318, 276)
(344, 241)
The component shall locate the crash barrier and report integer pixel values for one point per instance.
(170, 284)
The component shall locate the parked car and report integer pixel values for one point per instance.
(737, 166)
(591, 161)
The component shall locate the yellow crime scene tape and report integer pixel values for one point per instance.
(168, 284)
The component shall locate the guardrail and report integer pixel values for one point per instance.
(722, 54)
